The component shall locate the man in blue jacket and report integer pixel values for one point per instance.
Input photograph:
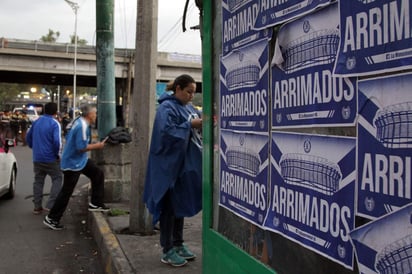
(75, 162)
(44, 138)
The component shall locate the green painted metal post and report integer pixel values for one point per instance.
(219, 254)
(106, 102)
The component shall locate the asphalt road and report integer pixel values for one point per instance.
(29, 247)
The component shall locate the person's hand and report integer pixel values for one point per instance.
(102, 142)
(100, 145)
(196, 123)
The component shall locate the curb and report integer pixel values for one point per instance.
(113, 258)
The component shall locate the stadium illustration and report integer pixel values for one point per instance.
(315, 48)
(243, 159)
(244, 152)
(243, 70)
(394, 125)
(246, 66)
(309, 171)
(396, 257)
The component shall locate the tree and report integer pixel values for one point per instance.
(51, 37)
(9, 92)
(80, 42)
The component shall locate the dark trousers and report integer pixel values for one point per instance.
(41, 170)
(70, 179)
(171, 228)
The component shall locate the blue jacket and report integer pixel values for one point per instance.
(175, 160)
(73, 157)
(44, 138)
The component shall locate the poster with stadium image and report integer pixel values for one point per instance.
(272, 13)
(244, 92)
(384, 144)
(385, 244)
(312, 197)
(238, 19)
(376, 37)
(244, 164)
(304, 90)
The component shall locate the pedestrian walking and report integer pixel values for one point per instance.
(44, 138)
(24, 123)
(173, 183)
(15, 125)
(75, 162)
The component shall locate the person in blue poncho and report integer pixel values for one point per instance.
(173, 183)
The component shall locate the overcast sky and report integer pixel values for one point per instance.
(31, 19)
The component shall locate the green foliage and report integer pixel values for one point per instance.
(9, 92)
(80, 42)
(51, 37)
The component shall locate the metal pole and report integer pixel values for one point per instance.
(106, 94)
(58, 98)
(75, 7)
(75, 62)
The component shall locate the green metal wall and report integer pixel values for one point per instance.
(231, 244)
(219, 254)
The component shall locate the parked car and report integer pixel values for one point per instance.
(8, 170)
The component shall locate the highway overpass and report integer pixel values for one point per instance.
(34, 62)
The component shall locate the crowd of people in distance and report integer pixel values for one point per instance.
(14, 125)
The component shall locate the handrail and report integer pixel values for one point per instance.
(57, 47)
(85, 49)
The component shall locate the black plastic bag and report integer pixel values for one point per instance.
(119, 135)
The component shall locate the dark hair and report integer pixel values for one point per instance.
(50, 108)
(183, 81)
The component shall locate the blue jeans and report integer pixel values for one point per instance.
(41, 170)
(171, 228)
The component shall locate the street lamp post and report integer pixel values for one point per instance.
(75, 7)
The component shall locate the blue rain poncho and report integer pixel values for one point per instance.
(175, 160)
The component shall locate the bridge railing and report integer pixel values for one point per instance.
(57, 47)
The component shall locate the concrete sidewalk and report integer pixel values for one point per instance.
(125, 253)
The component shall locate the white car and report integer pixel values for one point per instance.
(30, 112)
(8, 170)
